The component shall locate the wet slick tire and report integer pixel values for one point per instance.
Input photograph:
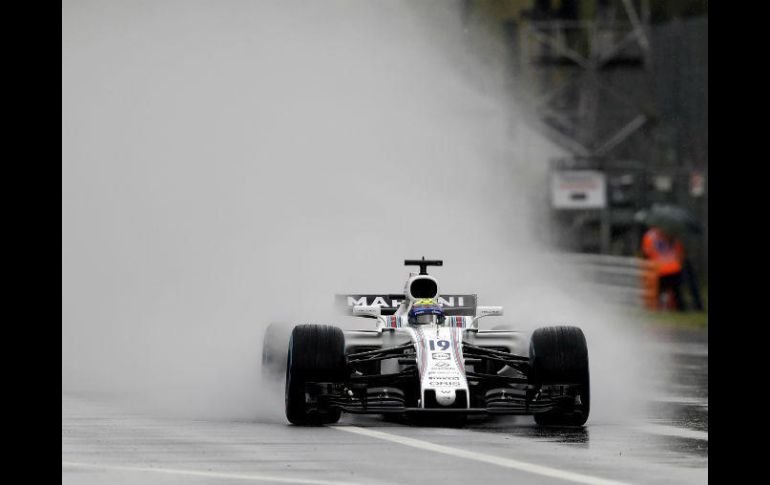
(558, 355)
(316, 354)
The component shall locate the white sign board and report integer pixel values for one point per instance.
(578, 189)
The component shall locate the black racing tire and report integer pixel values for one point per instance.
(275, 347)
(316, 354)
(559, 355)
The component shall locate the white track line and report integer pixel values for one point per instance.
(472, 455)
(207, 474)
(673, 431)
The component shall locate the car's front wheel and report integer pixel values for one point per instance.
(559, 355)
(316, 354)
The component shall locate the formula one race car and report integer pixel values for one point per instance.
(427, 355)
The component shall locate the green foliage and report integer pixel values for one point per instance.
(688, 319)
(679, 319)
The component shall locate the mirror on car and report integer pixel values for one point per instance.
(485, 311)
(489, 311)
(373, 311)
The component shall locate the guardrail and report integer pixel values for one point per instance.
(626, 280)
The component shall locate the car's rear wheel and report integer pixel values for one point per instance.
(560, 355)
(316, 354)
(275, 344)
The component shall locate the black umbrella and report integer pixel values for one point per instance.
(670, 218)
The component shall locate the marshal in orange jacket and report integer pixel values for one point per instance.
(666, 252)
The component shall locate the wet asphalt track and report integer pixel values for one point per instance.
(103, 444)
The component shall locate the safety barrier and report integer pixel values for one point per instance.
(626, 280)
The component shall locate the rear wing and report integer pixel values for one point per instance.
(454, 305)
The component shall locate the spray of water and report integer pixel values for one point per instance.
(226, 165)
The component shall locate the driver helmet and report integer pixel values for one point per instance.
(426, 311)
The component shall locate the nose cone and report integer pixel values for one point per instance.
(446, 397)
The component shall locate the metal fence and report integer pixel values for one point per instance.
(625, 281)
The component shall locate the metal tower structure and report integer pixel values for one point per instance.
(590, 75)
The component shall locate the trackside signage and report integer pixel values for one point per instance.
(578, 189)
(452, 304)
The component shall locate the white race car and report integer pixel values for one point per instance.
(427, 355)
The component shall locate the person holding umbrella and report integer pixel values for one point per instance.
(665, 249)
(662, 245)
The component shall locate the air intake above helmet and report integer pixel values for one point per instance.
(422, 287)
